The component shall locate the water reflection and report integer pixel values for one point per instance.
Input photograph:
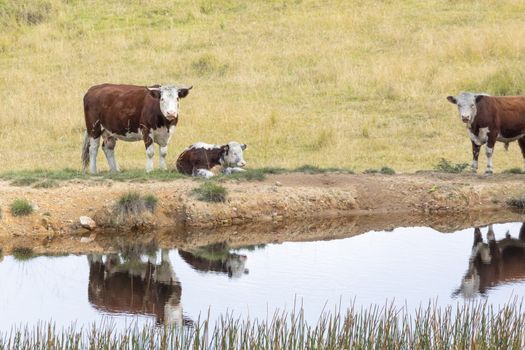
(216, 258)
(493, 263)
(133, 282)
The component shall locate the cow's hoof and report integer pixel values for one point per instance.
(488, 172)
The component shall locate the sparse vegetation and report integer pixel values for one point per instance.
(312, 169)
(450, 167)
(23, 253)
(514, 171)
(150, 202)
(384, 170)
(24, 181)
(21, 207)
(517, 202)
(133, 204)
(468, 326)
(210, 192)
(46, 183)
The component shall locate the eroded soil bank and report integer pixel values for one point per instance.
(281, 207)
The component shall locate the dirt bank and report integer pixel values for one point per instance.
(277, 199)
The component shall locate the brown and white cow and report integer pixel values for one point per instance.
(490, 119)
(493, 263)
(130, 113)
(199, 158)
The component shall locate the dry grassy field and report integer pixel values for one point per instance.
(355, 84)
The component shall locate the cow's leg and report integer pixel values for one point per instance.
(150, 150)
(202, 173)
(163, 151)
(475, 156)
(521, 142)
(489, 151)
(93, 150)
(109, 150)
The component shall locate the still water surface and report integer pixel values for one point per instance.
(406, 266)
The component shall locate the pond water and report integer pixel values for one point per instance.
(405, 266)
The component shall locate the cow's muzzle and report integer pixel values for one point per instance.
(465, 119)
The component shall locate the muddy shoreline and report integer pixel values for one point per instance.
(279, 208)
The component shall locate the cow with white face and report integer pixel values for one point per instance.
(200, 157)
(490, 119)
(130, 113)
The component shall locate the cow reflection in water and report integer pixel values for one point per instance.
(125, 283)
(494, 263)
(215, 258)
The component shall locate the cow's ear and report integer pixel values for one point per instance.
(155, 93)
(452, 99)
(479, 98)
(243, 146)
(183, 92)
(225, 149)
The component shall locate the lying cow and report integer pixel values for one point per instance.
(129, 113)
(493, 263)
(490, 119)
(199, 158)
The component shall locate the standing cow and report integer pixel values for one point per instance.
(129, 113)
(490, 119)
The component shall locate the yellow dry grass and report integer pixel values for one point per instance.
(354, 84)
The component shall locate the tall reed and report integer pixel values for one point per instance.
(465, 326)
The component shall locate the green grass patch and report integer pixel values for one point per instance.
(47, 183)
(514, 171)
(312, 169)
(210, 192)
(384, 170)
(23, 253)
(150, 202)
(449, 167)
(21, 207)
(132, 203)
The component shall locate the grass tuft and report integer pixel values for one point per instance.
(210, 192)
(23, 253)
(47, 183)
(150, 202)
(518, 202)
(24, 181)
(450, 167)
(132, 204)
(514, 171)
(21, 207)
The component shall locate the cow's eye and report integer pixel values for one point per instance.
(472, 106)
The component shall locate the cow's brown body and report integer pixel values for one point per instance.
(505, 118)
(122, 110)
(198, 158)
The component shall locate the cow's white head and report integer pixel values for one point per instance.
(169, 96)
(466, 102)
(233, 154)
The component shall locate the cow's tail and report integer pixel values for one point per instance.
(85, 152)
